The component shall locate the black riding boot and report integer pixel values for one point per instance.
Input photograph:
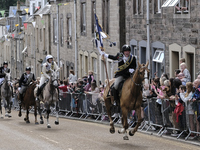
(58, 94)
(20, 98)
(116, 96)
(38, 93)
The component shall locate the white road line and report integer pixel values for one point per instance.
(49, 139)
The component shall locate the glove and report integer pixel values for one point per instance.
(131, 70)
(104, 54)
(19, 88)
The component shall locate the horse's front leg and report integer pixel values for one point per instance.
(27, 117)
(10, 105)
(35, 114)
(6, 105)
(1, 110)
(57, 116)
(124, 123)
(40, 112)
(138, 113)
(108, 108)
(20, 110)
(48, 112)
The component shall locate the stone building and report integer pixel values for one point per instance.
(174, 33)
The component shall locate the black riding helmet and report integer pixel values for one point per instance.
(28, 68)
(5, 63)
(126, 48)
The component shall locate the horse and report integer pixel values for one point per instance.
(29, 100)
(130, 99)
(6, 96)
(49, 97)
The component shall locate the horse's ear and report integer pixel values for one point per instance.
(139, 65)
(147, 64)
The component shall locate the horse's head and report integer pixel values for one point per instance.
(54, 78)
(141, 70)
(7, 77)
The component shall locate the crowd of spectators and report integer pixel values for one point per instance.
(179, 97)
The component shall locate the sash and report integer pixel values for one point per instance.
(125, 65)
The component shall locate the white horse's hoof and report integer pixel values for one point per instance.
(125, 137)
(121, 131)
(56, 122)
(48, 126)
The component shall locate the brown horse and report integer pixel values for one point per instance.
(131, 99)
(29, 100)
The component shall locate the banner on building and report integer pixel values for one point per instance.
(14, 11)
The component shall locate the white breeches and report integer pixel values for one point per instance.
(42, 80)
(1, 80)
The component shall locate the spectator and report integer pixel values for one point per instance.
(186, 97)
(90, 79)
(177, 71)
(182, 60)
(72, 77)
(195, 98)
(186, 78)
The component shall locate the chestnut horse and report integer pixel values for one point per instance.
(29, 100)
(131, 99)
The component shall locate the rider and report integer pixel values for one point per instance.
(126, 66)
(4, 69)
(46, 72)
(24, 81)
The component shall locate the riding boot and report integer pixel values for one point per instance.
(116, 96)
(20, 98)
(59, 99)
(38, 93)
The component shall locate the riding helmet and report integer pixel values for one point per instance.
(5, 63)
(28, 68)
(48, 57)
(126, 48)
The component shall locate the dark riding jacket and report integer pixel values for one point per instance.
(123, 69)
(25, 80)
(2, 72)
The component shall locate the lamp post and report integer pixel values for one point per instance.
(75, 30)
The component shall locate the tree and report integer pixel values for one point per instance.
(5, 4)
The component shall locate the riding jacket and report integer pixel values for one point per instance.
(3, 71)
(124, 64)
(26, 79)
(46, 69)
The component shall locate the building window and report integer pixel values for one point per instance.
(83, 18)
(92, 17)
(33, 7)
(69, 31)
(54, 31)
(40, 35)
(134, 50)
(86, 65)
(61, 32)
(137, 7)
(44, 40)
(157, 6)
(105, 15)
(158, 56)
(180, 6)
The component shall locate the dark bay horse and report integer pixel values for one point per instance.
(28, 101)
(131, 99)
(6, 96)
(50, 97)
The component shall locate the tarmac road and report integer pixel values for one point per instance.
(15, 134)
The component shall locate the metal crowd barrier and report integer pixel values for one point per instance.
(157, 118)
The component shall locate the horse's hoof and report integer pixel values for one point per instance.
(9, 116)
(36, 123)
(9, 111)
(112, 131)
(126, 137)
(42, 122)
(56, 122)
(27, 121)
(20, 115)
(48, 126)
(1, 117)
(131, 134)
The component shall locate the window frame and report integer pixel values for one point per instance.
(160, 52)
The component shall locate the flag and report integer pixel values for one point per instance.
(8, 27)
(2, 13)
(66, 3)
(14, 11)
(25, 25)
(38, 7)
(26, 10)
(34, 23)
(99, 35)
(16, 25)
(13, 35)
(41, 15)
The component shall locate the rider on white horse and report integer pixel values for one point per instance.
(46, 73)
(3, 70)
(24, 81)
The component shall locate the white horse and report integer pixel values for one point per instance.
(49, 97)
(6, 95)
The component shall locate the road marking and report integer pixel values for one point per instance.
(49, 139)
